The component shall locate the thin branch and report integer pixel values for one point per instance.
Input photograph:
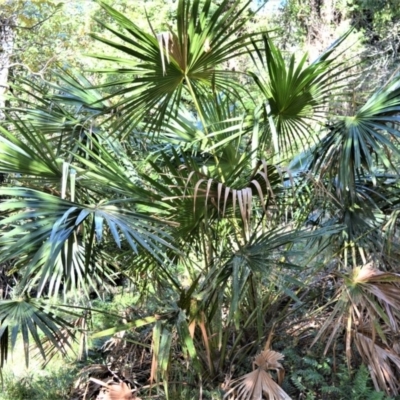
(29, 28)
(39, 73)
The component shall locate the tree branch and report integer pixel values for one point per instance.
(29, 28)
(39, 73)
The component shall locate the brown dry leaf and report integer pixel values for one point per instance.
(383, 362)
(119, 391)
(368, 309)
(114, 390)
(169, 46)
(254, 385)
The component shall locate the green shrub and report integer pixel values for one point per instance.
(43, 385)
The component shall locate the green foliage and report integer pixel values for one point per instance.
(359, 385)
(47, 32)
(33, 317)
(163, 175)
(51, 384)
(315, 378)
(185, 61)
(295, 95)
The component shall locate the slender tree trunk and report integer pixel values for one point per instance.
(6, 49)
(7, 36)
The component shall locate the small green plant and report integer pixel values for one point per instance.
(358, 384)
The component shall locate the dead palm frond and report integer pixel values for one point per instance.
(112, 390)
(259, 382)
(383, 361)
(368, 308)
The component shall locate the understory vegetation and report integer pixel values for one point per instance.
(208, 211)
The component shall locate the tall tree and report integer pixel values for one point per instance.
(8, 18)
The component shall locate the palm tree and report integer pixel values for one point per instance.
(179, 178)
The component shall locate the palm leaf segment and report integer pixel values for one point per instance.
(62, 113)
(35, 158)
(173, 63)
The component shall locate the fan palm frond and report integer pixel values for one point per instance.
(259, 383)
(30, 317)
(362, 145)
(62, 113)
(267, 257)
(382, 359)
(112, 390)
(295, 97)
(44, 231)
(367, 307)
(34, 157)
(167, 65)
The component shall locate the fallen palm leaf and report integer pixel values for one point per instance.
(383, 362)
(112, 390)
(368, 308)
(259, 382)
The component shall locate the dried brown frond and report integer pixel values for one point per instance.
(259, 382)
(268, 359)
(383, 362)
(112, 390)
(368, 308)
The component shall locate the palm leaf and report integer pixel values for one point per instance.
(34, 158)
(42, 230)
(295, 97)
(259, 383)
(367, 307)
(363, 144)
(269, 258)
(29, 317)
(185, 61)
(62, 112)
(383, 362)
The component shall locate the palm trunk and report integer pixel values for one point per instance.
(7, 36)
